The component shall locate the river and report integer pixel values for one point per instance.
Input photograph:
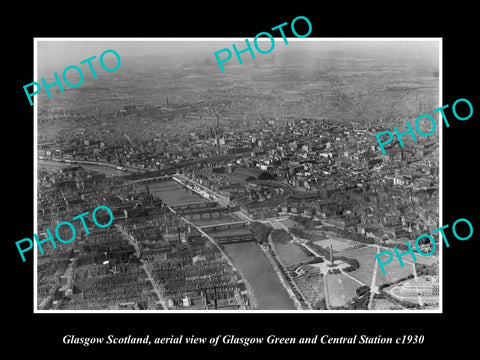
(172, 193)
(250, 260)
(107, 170)
(247, 257)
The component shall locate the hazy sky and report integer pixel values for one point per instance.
(58, 54)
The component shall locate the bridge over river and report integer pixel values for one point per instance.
(231, 235)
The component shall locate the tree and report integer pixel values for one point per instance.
(320, 304)
(423, 269)
(260, 231)
(303, 221)
(280, 236)
(362, 290)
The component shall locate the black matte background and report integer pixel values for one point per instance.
(43, 333)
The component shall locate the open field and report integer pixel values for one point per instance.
(288, 222)
(341, 289)
(426, 260)
(393, 272)
(291, 253)
(367, 260)
(384, 304)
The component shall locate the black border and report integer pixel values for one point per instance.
(45, 331)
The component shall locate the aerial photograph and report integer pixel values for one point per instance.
(258, 188)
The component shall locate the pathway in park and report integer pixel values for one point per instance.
(373, 287)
